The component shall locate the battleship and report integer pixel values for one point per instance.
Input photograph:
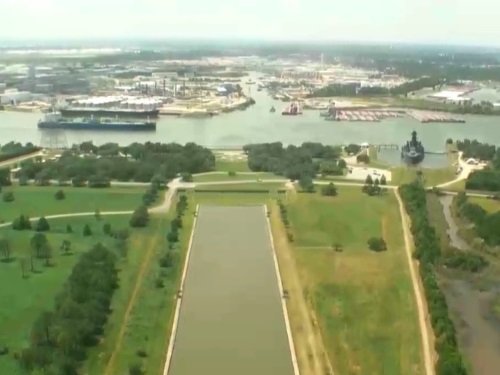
(57, 121)
(413, 152)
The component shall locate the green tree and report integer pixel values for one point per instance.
(69, 228)
(369, 180)
(383, 180)
(40, 248)
(5, 248)
(377, 244)
(42, 225)
(306, 184)
(87, 232)
(8, 196)
(140, 217)
(329, 190)
(59, 195)
(65, 247)
(342, 164)
(106, 229)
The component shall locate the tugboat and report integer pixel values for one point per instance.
(292, 110)
(413, 152)
(272, 110)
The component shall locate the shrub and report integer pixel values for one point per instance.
(466, 262)
(42, 225)
(377, 244)
(329, 190)
(8, 196)
(363, 158)
(59, 195)
(187, 177)
(140, 217)
(135, 369)
(231, 173)
(141, 353)
(106, 229)
(167, 260)
(87, 231)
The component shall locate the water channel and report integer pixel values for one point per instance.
(471, 309)
(231, 319)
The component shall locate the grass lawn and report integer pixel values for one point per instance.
(432, 176)
(27, 298)
(142, 312)
(231, 165)
(490, 205)
(36, 201)
(238, 177)
(364, 300)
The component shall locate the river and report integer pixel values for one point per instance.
(256, 124)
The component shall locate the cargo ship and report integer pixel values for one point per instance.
(292, 110)
(57, 121)
(109, 112)
(413, 152)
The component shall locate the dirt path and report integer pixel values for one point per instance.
(423, 319)
(310, 351)
(109, 370)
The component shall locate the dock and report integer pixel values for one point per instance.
(365, 115)
(431, 116)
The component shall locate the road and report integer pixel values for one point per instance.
(417, 289)
(13, 161)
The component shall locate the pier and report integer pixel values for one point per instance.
(387, 146)
(430, 116)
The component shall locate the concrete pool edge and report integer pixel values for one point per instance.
(175, 323)
(283, 301)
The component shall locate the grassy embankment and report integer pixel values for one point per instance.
(364, 300)
(25, 298)
(142, 312)
(36, 201)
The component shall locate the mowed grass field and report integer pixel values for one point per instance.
(363, 300)
(22, 300)
(36, 201)
(139, 326)
(431, 176)
(490, 205)
(226, 165)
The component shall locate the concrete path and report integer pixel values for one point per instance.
(13, 161)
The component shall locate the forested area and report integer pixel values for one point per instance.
(294, 162)
(59, 338)
(475, 149)
(97, 165)
(14, 149)
(428, 252)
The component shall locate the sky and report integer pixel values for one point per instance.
(471, 22)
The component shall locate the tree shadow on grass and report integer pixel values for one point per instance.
(9, 260)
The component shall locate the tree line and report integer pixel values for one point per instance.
(97, 165)
(428, 252)
(59, 338)
(14, 149)
(488, 178)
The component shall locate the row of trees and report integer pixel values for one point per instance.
(96, 166)
(428, 252)
(59, 338)
(284, 219)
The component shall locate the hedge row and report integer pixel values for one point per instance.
(428, 252)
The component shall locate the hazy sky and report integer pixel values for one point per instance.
(437, 21)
